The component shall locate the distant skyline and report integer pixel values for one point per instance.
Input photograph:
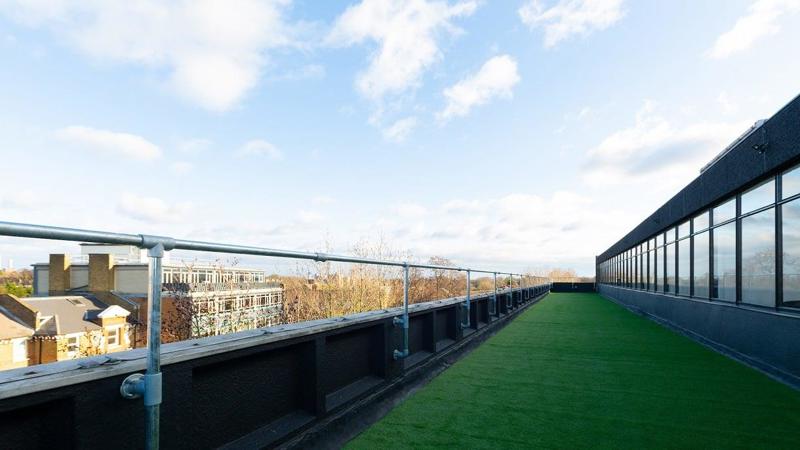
(512, 135)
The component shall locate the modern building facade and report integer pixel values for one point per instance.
(200, 299)
(721, 259)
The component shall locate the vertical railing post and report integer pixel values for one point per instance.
(148, 386)
(494, 297)
(400, 354)
(152, 403)
(510, 298)
(466, 324)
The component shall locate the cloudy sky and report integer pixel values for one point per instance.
(513, 134)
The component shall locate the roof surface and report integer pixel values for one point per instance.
(578, 371)
(10, 328)
(71, 312)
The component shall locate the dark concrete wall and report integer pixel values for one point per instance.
(572, 287)
(766, 339)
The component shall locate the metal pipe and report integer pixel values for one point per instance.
(466, 302)
(494, 297)
(510, 298)
(405, 352)
(153, 375)
(143, 241)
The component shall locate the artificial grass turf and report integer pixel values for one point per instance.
(578, 371)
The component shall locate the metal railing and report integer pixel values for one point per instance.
(148, 386)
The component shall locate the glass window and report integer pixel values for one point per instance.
(684, 258)
(683, 229)
(725, 211)
(723, 283)
(669, 269)
(657, 280)
(113, 337)
(700, 222)
(670, 235)
(701, 265)
(791, 253)
(790, 184)
(653, 270)
(659, 239)
(20, 350)
(758, 259)
(759, 196)
(72, 344)
(643, 266)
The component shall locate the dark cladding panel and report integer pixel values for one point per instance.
(44, 425)
(234, 397)
(347, 357)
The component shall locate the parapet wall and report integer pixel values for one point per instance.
(252, 389)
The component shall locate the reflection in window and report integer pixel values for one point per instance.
(791, 253)
(684, 253)
(669, 269)
(725, 211)
(700, 222)
(657, 280)
(670, 235)
(790, 185)
(724, 278)
(759, 196)
(651, 270)
(701, 265)
(758, 259)
(642, 266)
(683, 229)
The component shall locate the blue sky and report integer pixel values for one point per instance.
(517, 134)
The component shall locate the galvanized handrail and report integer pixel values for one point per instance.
(148, 386)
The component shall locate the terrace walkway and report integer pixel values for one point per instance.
(577, 371)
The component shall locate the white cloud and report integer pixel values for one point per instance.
(181, 167)
(410, 210)
(514, 230)
(195, 145)
(399, 131)
(496, 78)
(656, 148)
(728, 106)
(406, 32)
(323, 200)
(309, 217)
(152, 209)
(570, 17)
(110, 142)
(213, 51)
(19, 200)
(260, 147)
(760, 22)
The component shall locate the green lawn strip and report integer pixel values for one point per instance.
(579, 371)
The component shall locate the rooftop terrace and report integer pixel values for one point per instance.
(576, 370)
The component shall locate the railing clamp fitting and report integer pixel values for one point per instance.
(152, 242)
(146, 386)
